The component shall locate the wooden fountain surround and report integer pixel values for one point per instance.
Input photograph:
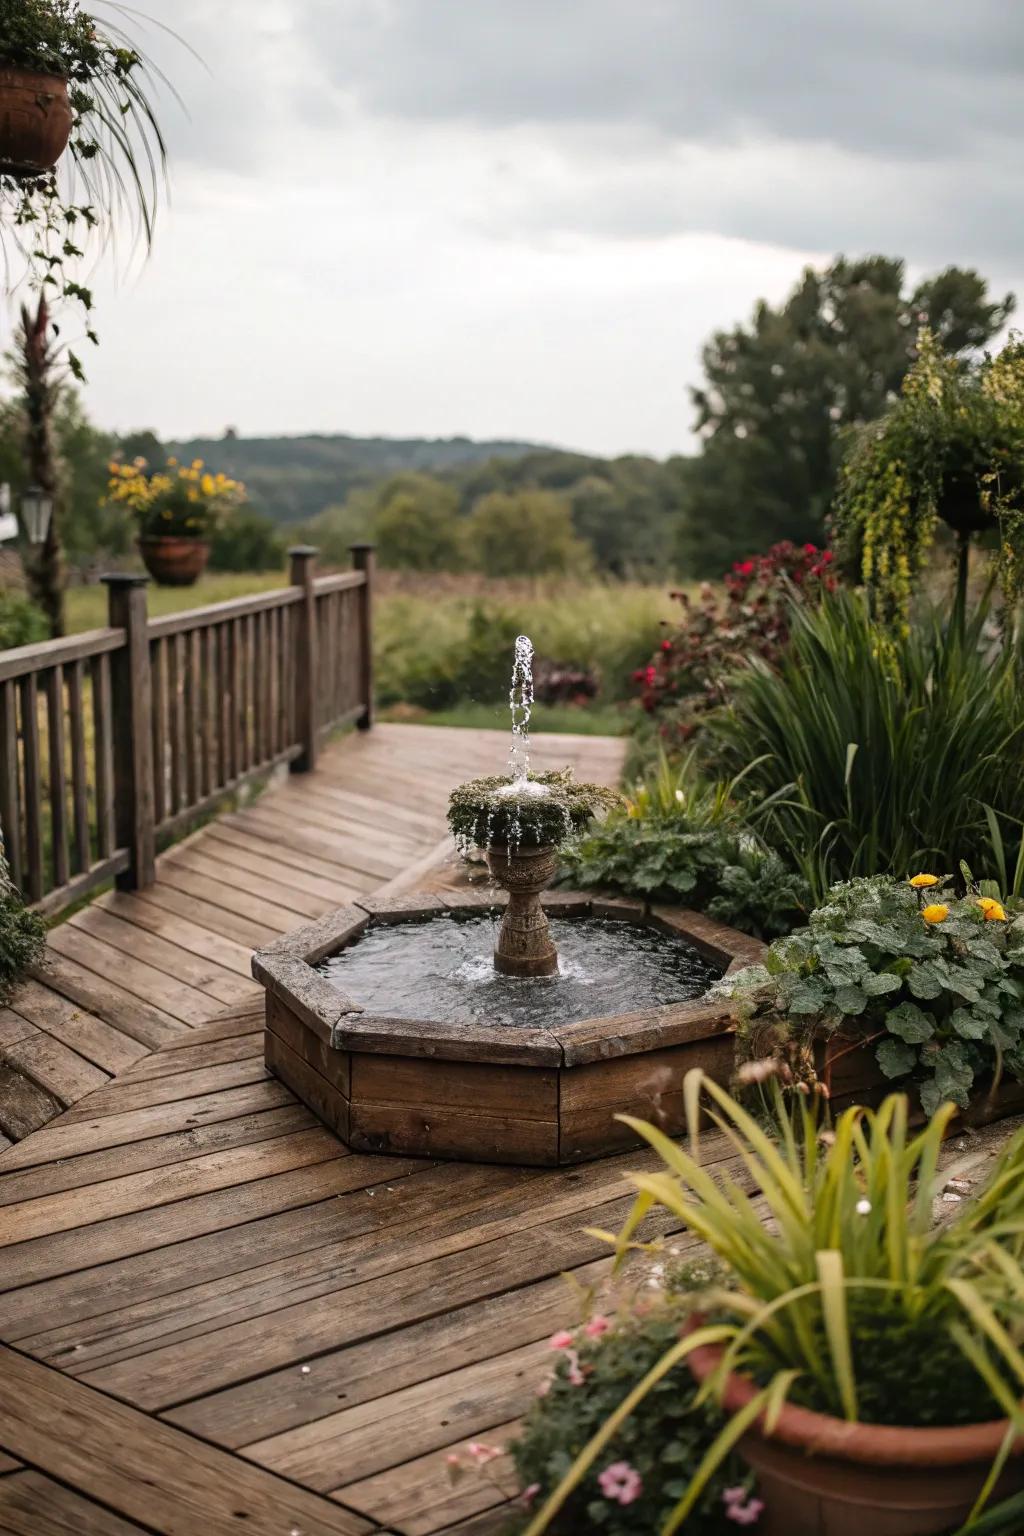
(480, 1092)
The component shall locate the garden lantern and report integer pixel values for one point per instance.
(36, 511)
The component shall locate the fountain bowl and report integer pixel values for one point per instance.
(487, 1092)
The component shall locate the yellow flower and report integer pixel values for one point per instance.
(993, 910)
(937, 913)
(919, 882)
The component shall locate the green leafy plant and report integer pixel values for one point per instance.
(937, 980)
(492, 812)
(950, 450)
(681, 838)
(847, 1262)
(877, 757)
(21, 622)
(116, 150)
(22, 934)
(662, 1444)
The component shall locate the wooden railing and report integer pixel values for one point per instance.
(114, 739)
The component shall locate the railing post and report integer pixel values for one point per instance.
(132, 711)
(303, 565)
(364, 559)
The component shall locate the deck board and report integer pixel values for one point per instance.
(211, 1309)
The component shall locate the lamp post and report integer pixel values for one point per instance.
(36, 511)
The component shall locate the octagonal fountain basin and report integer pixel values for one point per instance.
(388, 1019)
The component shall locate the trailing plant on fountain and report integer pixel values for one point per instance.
(936, 979)
(536, 810)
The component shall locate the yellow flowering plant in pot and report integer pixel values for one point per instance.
(176, 509)
(868, 1361)
(897, 980)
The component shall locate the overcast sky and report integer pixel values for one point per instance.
(520, 218)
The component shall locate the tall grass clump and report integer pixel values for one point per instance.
(899, 752)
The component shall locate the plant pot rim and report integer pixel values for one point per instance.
(29, 72)
(171, 538)
(819, 1434)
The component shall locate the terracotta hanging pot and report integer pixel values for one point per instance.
(820, 1476)
(174, 562)
(35, 121)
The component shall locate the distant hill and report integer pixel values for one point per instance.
(293, 479)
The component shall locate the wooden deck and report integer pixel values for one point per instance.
(131, 973)
(216, 1318)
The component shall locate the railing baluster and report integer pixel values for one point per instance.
(158, 663)
(209, 711)
(79, 767)
(10, 809)
(224, 726)
(33, 787)
(102, 748)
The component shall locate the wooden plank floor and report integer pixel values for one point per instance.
(210, 1304)
(132, 973)
(214, 1316)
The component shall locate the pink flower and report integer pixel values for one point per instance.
(621, 1483)
(482, 1453)
(576, 1375)
(563, 1339)
(740, 1509)
(453, 1459)
(597, 1326)
(529, 1494)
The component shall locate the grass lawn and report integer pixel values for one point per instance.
(562, 719)
(87, 606)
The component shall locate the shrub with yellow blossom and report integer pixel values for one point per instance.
(950, 450)
(181, 501)
(934, 978)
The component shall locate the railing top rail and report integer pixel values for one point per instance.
(24, 659)
(218, 613)
(339, 583)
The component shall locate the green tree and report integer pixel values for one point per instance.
(525, 533)
(415, 524)
(781, 390)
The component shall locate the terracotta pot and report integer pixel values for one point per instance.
(525, 946)
(821, 1476)
(174, 562)
(35, 121)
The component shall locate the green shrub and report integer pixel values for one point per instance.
(939, 981)
(664, 1441)
(21, 622)
(881, 755)
(681, 839)
(22, 935)
(246, 541)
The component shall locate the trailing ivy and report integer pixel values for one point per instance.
(935, 979)
(950, 450)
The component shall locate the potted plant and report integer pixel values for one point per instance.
(867, 1360)
(176, 510)
(897, 980)
(520, 821)
(67, 83)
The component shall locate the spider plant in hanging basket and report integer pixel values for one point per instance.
(80, 146)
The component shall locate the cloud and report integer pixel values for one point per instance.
(523, 216)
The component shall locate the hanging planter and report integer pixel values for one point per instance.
(35, 121)
(176, 508)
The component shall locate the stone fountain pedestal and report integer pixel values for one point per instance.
(525, 946)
